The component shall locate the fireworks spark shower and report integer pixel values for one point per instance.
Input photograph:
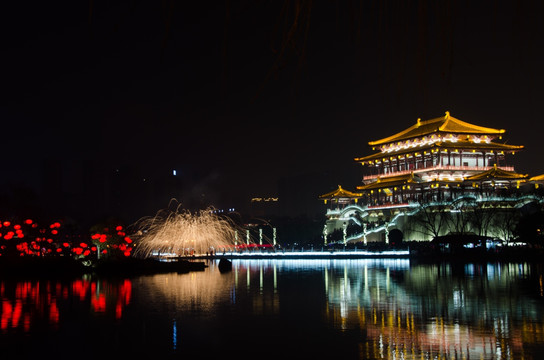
(182, 232)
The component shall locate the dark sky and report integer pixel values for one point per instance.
(248, 98)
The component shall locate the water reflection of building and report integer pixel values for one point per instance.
(435, 311)
(438, 176)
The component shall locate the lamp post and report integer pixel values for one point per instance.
(261, 231)
(345, 232)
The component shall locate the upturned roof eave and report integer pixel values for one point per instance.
(445, 145)
(340, 193)
(496, 173)
(443, 124)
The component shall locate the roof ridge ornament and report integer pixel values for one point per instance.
(447, 116)
(418, 122)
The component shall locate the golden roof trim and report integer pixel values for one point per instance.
(340, 193)
(466, 145)
(497, 173)
(391, 181)
(446, 123)
(537, 178)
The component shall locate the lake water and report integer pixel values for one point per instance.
(344, 309)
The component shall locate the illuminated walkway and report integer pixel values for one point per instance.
(310, 254)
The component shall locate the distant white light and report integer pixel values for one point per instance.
(174, 172)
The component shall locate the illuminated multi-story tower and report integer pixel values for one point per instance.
(437, 166)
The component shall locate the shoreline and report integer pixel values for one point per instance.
(69, 267)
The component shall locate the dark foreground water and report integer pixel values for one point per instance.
(321, 309)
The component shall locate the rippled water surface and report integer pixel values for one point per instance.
(368, 309)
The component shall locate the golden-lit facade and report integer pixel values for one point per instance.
(438, 161)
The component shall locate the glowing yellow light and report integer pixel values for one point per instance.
(173, 231)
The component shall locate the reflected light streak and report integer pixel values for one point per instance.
(205, 288)
(25, 303)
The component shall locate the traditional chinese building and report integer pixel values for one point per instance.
(426, 181)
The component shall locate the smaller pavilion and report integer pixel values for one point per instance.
(340, 198)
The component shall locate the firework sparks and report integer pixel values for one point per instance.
(182, 232)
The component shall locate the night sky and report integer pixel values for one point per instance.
(102, 100)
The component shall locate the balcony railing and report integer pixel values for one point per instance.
(435, 168)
